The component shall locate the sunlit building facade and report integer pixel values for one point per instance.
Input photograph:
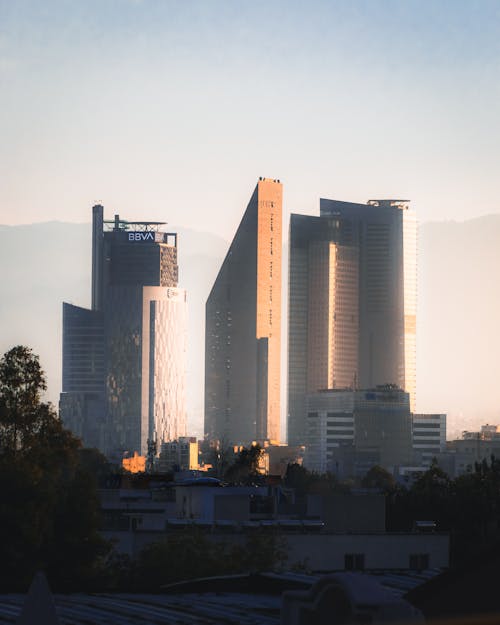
(352, 302)
(131, 346)
(243, 328)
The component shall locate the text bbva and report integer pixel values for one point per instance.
(141, 236)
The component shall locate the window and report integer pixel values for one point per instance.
(354, 561)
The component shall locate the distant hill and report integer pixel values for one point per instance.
(42, 265)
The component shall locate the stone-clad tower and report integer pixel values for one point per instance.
(243, 327)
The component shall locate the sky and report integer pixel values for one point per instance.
(172, 110)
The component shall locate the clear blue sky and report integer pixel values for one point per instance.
(172, 110)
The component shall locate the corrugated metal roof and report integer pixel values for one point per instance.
(123, 609)
(193, 608)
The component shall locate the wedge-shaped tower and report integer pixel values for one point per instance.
(243, 327)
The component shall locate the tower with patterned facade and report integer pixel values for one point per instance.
(124, 359)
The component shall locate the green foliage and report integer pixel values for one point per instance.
(380, 478)
(21, 412)
(185, 555)
(468, 507)
(263, 551)
(244, 469)
(305, 481)
(193, 554)
(49, 509)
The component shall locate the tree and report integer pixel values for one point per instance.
(378, 477)
(49, 508)
(196, 555)
(306, 482)
(219, 454)
(21, 383)
(246, 465)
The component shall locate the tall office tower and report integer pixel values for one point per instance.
(124, 360)
(352, 302)
(243, 327)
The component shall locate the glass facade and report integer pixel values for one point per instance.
(164, 348)
(349, 431)
(135, 332)
(383, 422)
(352, 302)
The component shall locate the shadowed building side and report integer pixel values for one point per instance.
(243, 327)
(82, 402)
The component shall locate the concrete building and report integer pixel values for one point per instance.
(243, 328)
(134, 463)
(179, 455)
(350, 431)
(348, 512)
(352, 302)
(473, 448)
(429, 436)
(124, 359)
(486, 433)
(329, 426)
(346, 533)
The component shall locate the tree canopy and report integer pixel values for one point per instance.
(49, 511)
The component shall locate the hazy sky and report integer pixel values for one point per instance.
(172, 110)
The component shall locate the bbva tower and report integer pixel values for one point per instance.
(124, 359)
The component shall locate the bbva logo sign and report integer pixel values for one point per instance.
(141, 236)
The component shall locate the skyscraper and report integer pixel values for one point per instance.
(352, 302)
(124, 359)
(243, 327)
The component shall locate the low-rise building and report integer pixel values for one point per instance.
(135, 463)
(179, 455)
(462, 454)
(336, 533)
(429, 437)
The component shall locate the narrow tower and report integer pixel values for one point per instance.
(243, 327)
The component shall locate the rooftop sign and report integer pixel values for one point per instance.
(146, 236)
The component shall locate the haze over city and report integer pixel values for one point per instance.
(249, 273)
(171, 111)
